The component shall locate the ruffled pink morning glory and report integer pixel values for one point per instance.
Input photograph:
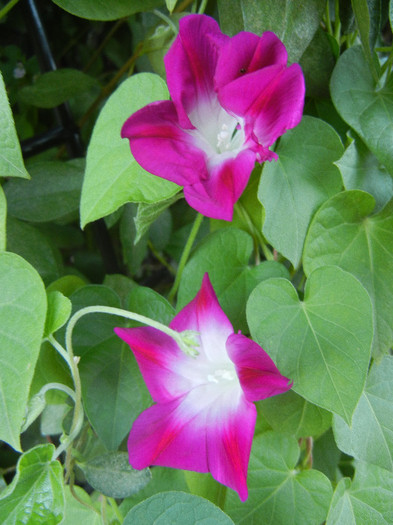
(203, 418)
(231, 99)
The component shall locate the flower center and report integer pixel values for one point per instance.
(217, 133)
(222, 375)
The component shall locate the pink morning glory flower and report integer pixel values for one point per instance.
(231, 98)
(204, 417)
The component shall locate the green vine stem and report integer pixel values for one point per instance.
(167, 20)
(7, 8)
(184, 257)
(186, 340)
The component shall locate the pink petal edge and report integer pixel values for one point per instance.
(258, 375)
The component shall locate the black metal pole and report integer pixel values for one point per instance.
(66, 132)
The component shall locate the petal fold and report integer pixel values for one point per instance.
(258, 375)
(161, 147)
(216, 196)
(270, 101)
(245, 53)
(191, 62)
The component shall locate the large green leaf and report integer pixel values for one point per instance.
(53, 193)
(365, 501)
(176, 508)
(294, 187)
(294, 415)
(345, 233)
(163, 479)
(293, 22)
(106, 9)
(23, 239)
(77, 513)
(361, 170)
(3, 219)
(370, 437)
(112, 175)
(112, 475)
(225, 255)
(146, 301)
(55, 87)
(323, 342)
(365, 106)
(278, 492)
(22, 318)
(11, 161)
(36, 494)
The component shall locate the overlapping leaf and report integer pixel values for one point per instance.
(22, 318)
(365, 106)
(55, 87)
(345, 233)
(225, 256)
(278, 492)
(323, 342)
(11, 162)
(113, 475)
(106, 9)
(370, 437)
(112, 388)
(52, 194)
(176, 508)
(368, 499)
(294, 415)
(112, 175)
(292, 188)
(361, 170)
(36, 495)
(294, 23)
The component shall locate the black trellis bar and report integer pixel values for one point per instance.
(65, 132)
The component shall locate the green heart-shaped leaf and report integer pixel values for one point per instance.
(113, 177)
(293, 188)
(344, 233)
(366, 107)
(323, 342)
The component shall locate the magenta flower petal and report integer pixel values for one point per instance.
(159, 145)
(271, 101)
(161, 369)
(204, 315)
(258, 375)
(204, 431)
(191, 62)
(229, 442)
(216, 196)
(245, 53)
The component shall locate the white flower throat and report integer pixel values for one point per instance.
(217, 133)
(222, 375)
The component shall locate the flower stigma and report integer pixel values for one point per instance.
(189, 342)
